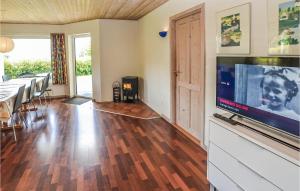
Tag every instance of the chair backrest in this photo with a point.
(6, 78)
(32, 89)
(19, 98)
(45, 83)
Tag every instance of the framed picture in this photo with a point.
(284, 27)
(233, 30)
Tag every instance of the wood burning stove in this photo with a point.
(130, 87)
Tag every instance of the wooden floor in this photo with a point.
(78, 148)
(138, 110)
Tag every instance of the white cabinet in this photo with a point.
(237, 160)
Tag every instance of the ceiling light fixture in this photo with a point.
(6, 44)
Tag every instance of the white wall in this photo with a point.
(155, 51)
(29, 30)
(119, 53)
(34, 30)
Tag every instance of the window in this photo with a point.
(28, 56)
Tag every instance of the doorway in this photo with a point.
(188, 72)
(83, 66)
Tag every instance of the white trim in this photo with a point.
(132, 116)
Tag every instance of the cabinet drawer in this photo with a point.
(238, 172)
(219, 180)
(277, 170)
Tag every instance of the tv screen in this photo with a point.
(265, 89)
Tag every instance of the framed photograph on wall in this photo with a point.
(284, 27)
(233, 30)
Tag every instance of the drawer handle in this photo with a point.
(254, 172)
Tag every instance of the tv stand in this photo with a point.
(226, 119)
(233, 116)
(242, 159)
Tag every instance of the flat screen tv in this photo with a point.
(264, 89)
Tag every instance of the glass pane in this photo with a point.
(83, 66)
(31, 56)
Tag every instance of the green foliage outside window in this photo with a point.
(83, 68)
(26, 66)
(14, 70)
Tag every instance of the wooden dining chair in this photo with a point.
(16, 111)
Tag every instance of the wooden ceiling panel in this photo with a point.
(150, 6)
(70, 11)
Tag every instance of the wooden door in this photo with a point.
(189, 74)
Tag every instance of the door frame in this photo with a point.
(172, 26)
(74, 64)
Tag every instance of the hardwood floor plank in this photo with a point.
(180, 182)
(140, 171)
(168, 175)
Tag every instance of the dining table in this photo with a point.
(9, 90)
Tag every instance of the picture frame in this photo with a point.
(284, 27)
(233, 30)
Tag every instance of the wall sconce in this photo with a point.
(163, 34)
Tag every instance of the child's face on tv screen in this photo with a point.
(274, 92)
